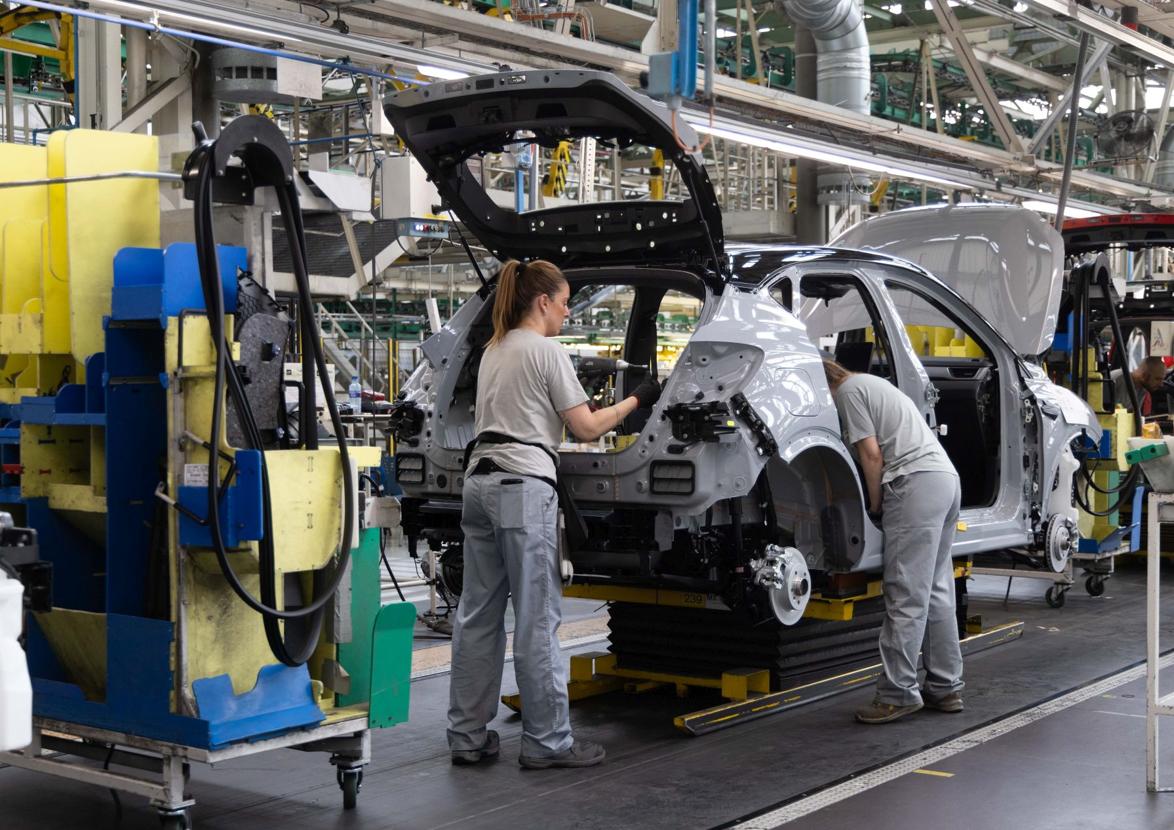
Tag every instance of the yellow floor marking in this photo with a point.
(938, 773)
(436, 657)
(856, 680)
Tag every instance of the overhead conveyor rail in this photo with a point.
(550, 49)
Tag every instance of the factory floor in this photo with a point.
(1053, 736)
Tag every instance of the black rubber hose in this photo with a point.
(1087, 508)
(211, 283)
(1101, 270)
(1127, 482)
(309, 633)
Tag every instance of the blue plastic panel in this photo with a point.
(153, 284)
(241, 511)
(283, 699)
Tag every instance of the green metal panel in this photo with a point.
(391, 664)
(379, 656)
(355, 656)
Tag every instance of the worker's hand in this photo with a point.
(647, 393)
(877, 516)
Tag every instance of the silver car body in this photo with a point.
(782, 472)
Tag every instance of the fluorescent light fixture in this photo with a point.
(724, 32)
(441, 72)
(801, 149)
(1050, 208)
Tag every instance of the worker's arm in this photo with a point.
(588, 425)
(872, 463)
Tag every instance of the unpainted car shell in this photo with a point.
(747, 343)
(747, 351)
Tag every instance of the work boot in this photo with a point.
(950, 703)
(581, 754)
(489, 749)
(880, 712)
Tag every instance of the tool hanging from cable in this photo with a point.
(210, 175)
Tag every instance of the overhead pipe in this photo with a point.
(810, 224)
(843, 72)
(710, 47)
(1073, 119)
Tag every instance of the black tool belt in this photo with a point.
(575, 526)
(487, 465)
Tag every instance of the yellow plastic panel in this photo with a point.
(34, 376)
(78, 639)
(91, 221)
(52, 455)
(19, 161)
(21, 263)
(222, 635)
(306, 491)
(79, 498)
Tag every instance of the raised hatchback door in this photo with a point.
(1004, 260)
(447, 124)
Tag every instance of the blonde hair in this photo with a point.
(836, 374)
(518, 283)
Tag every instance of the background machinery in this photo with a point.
(215, 594)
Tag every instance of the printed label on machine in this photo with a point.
(195, 475)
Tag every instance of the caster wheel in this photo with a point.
(175, 821)
(1055, 596)
(350, 781)
(1095, 585)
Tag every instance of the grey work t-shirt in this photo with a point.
(871, 406)
(524, 382)
(1121, 390)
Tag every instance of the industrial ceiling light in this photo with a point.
(1050, 208)
(837, 156)
(440, 72)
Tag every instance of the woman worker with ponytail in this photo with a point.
(526, 392)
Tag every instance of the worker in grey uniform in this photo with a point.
(1147, 378)
(914, 493)
(526, 392)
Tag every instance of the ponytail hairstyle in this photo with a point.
(518, 283)
(836, 374)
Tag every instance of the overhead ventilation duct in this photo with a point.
(844, 75)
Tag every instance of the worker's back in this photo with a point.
(523, 383)
(871, 406)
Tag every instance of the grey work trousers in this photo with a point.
(920, 517)
(510, 524)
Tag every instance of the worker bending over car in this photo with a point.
(914, 493)
(1147, 379)
(526, 391)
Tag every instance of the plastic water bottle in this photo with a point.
(16, 692)
(355, 391)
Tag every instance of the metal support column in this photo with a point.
(9, 99)
(136, 66)
(1157, 514)
(99, 70)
